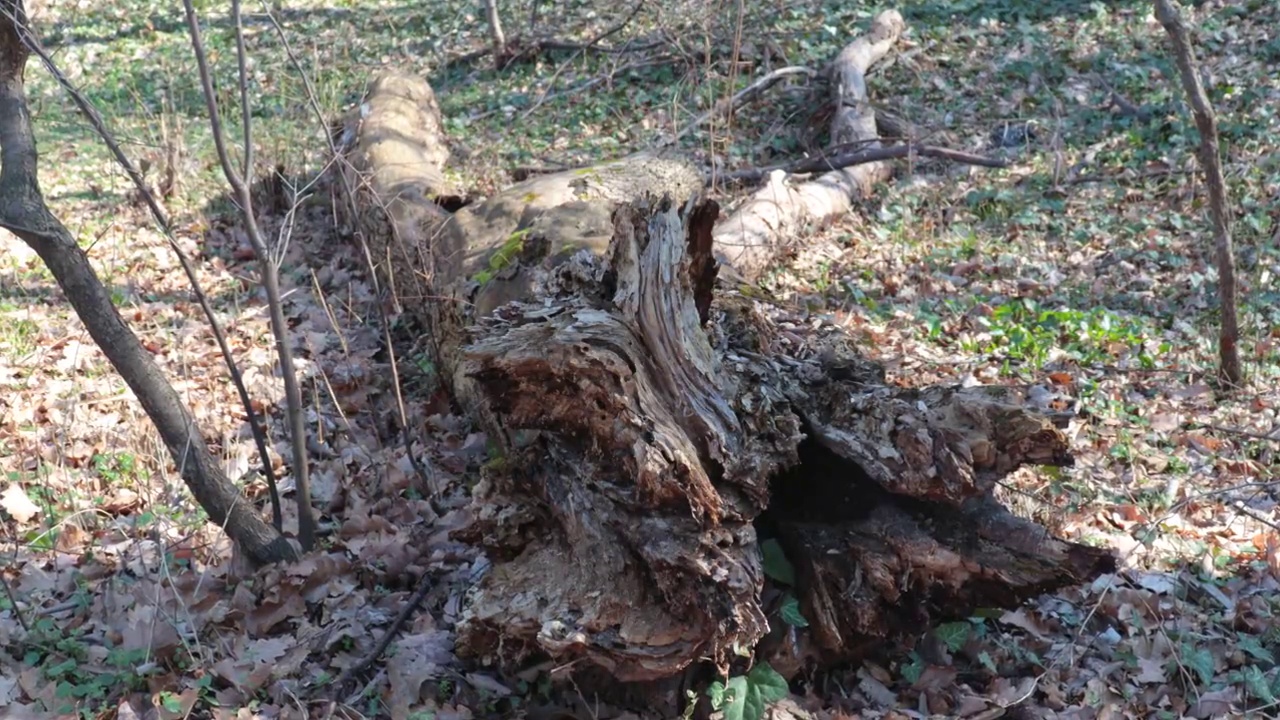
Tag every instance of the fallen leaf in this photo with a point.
(15, 502)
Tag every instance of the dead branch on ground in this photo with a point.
(845, 158)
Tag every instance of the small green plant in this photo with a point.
(745, 697)
(779, 569)
(81, 687)
(20, 336)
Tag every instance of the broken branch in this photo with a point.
(849, 158)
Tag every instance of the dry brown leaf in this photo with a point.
(14, 501)
(935, 677)
(1019, 618)
(1215, 704)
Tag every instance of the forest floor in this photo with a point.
(1084, 268)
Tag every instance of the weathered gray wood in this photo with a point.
(652, 418)
(771, 220)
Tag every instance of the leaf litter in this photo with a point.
(1080, 275)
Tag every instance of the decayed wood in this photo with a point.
(754, 236)
(654, 418)
(636, 464)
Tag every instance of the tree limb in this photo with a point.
(91, 114)
(270, 274)
(23, 212)
(843, 158)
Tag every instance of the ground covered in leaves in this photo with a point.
(1083, 271)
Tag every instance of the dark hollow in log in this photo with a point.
(655, 419)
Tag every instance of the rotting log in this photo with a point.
(656, 422)
(764, 225)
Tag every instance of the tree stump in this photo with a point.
(657, 422)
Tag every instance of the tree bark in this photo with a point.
(656, 422)
(1229, 369)
(24, 213)
(496, 36)
(765, 225)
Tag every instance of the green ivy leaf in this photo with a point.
(1256, 683)
(746, 697)
(791, 614)
(1200, 660)
(776, 565)
(171, 702)
(766, 681)
(985, 659)
(1253, 646)
(912, 671)
(716, 694)
(954, 634)
(735, 705)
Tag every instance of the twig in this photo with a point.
(1127, 107)
(1124, 175)
(99, 126)
(270, 275)
(421, 468)
(848, 158)
(24, 212)
(1240, 508)
(593, 42)
(554, 76)
(550, 44)
(731, 105)
(13, 603)
(420, 594)
(1274, 435)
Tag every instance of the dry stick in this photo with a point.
(420, 594)
(1228, 351)
(554, 76)
(1123, 176)
(24, 212)
(1274, 435)
(419, 467)
(91, 114)
(731, 105)
(270, 275)
(13, 602)
(593, 42)
(848, 158)
(544, 45)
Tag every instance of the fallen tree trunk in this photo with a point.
(656, 423)
(766, 224)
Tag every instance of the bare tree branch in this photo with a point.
(848, 157)
(496, 36)
(422, 469)
(270, 272)
(1229, 336)
(24, 213)
(743, 96)
(91, 114)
